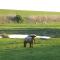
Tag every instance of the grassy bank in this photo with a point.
(12, 49)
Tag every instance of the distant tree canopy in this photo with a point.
(18, 19)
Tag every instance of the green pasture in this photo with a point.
(12, 49)
(26, 12)
(48, 25)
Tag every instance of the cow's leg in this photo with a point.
(31, 44)
(25, 43)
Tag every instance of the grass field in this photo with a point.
(11, 26)
(12, 49)
(27, 13)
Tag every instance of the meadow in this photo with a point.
(12, 26)
(12, 49)
(26, 12)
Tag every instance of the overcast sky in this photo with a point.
(35, 5)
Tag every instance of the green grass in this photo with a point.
(12, 49)
(10, 26)
(27, 13)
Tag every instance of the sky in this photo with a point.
(34, 5)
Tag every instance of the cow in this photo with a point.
(29, 39)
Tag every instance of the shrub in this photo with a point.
(19, 19)
(4, 35)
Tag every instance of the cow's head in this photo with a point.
(33, 35)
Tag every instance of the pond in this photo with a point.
(24, 36)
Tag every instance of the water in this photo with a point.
(24, 36)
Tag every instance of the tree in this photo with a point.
(18, 19)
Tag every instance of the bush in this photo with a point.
(4, 35)
(19, 19)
